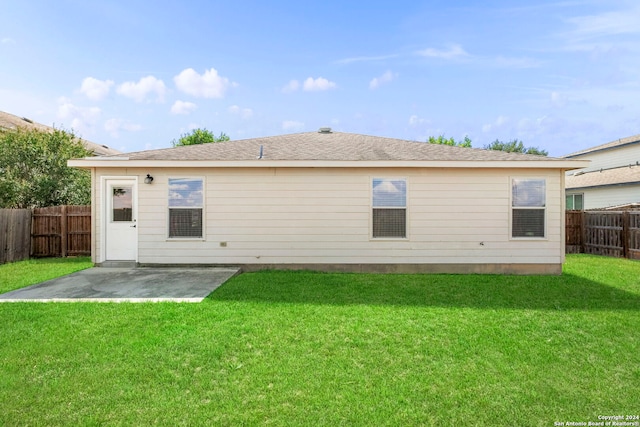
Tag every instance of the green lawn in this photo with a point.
(24, 273)
(300, 348)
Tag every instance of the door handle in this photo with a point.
(133, 226)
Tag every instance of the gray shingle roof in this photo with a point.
(9, 121)
(617, 176)
(609, 145)
(334, 146)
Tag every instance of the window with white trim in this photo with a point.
(528, 207)
(389, 211)
(574, 202)
(186, 205)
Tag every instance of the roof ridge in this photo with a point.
(324, 146)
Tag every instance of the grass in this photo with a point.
(24, 273)
(303, 348)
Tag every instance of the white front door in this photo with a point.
(121, 234)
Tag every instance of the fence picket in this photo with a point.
(15, 228)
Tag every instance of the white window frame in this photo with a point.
(543, 208)
(405, 207)
(202, 208)
(573, 195)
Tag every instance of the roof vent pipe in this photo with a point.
(261, 151)
(324, 130)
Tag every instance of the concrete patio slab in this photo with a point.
(143, 284)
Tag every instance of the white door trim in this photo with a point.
(104, 214)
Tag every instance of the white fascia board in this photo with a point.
(484, 164)
(92, 162)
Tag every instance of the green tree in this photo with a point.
(515, 146)
(34, 171)
(466, 142)
(199, 136)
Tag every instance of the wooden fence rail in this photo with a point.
(15, 227)
(608, 233)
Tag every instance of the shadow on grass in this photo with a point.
(566, 292)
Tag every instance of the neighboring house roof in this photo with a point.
(325, 148)
(9, 121)
(624, 175)
(609, 145)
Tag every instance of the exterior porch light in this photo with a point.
(148, 179)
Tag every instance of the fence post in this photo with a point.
(32, 242)
(580, 232)
(625, 234)
(63, 231)
(583, 231)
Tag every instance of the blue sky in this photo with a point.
(560, 75)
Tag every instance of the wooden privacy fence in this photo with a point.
(615, 234)
(15, 228)
(61, 231)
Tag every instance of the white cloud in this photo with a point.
(139, 91)
(292, 125)
(387, 192)
(183, 107)
(77, 118)
(114, 126)
(309, 85)
(95, 89)
(245, 113)
(292, 86)
(208, 85)
(558, 100)
(454, 51)
(606, 24)
(386, 186)
(387, 77)
(7, 40)
(501, 121)
(414, 120)
(318, 84)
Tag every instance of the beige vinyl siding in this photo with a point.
(604, 197)
(615, 157)
(323, 216)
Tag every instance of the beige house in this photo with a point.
(331, 201)
(611, 180)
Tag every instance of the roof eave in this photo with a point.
(610, 184)
(264, 163)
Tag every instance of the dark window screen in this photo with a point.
(390, 223)
(185, 222)
(528, 223)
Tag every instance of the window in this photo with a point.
(389, 208)
(575, 202)
(122, 204)
(528, 207)
(186, 202)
